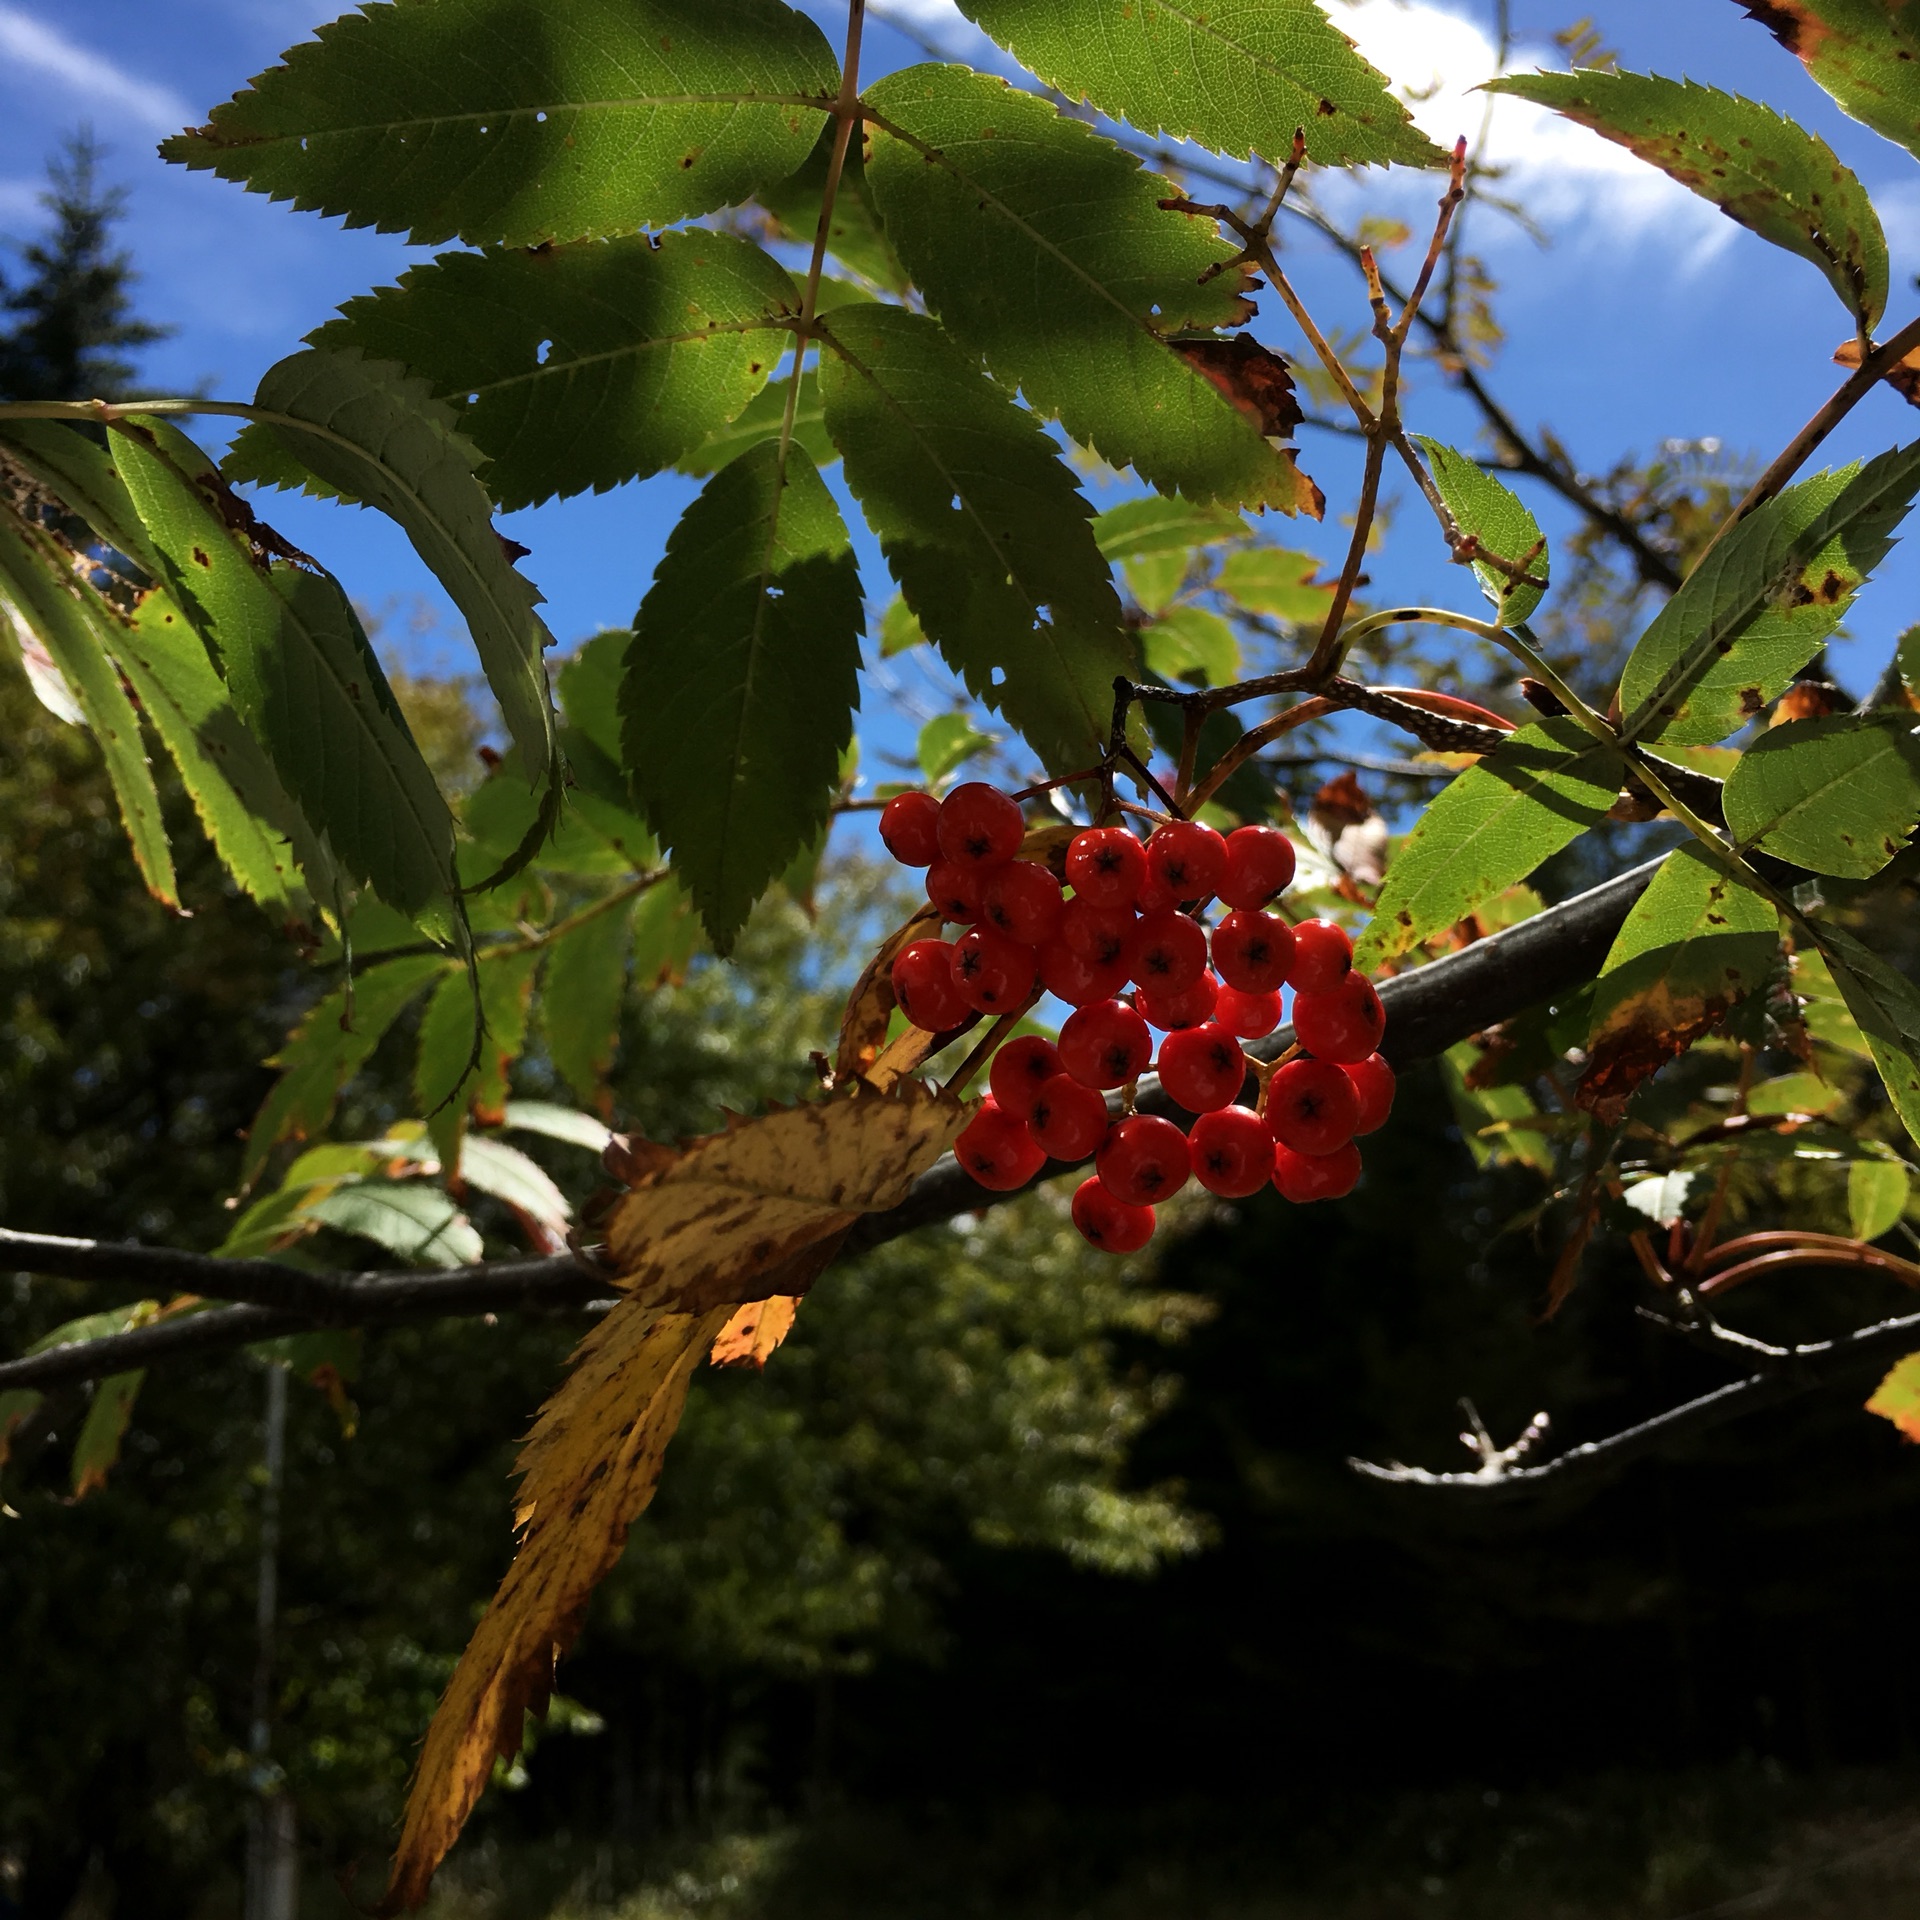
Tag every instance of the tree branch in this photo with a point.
(1799, 1370)
(1428, 1011)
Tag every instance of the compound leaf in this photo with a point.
(581, 367)
(1696, 941)
(1492, 515)
(500, 122)
(1043, 247)
(1838, 795)
(855, 236)
(1761, 604)
(302, 676)
(1237, 79)
(742, 680)
(983, 527)
(1864, 52)
(1488, 829)
(1758, 168)
(373, 433)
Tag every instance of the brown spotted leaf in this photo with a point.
(870, 1006)
(1866, 53)
(754, 1331)
(1903, 377)
(1697, 941)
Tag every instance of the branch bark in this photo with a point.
(1428, 1011)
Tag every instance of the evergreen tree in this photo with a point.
(69, 322)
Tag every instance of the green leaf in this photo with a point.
(1272, 581)
(1760, 606)
(1838, 795)
(982, 525)
(1490, 513)
(447, 1060)
(585, 366)
(502, 124)
(855, 236)
(493, 1167)
(69, 461)
(581, 991)
(1697, 941)
(70, 623)
(760, 420)
(742, 680)
(1043, 247)
(1757, 167)
(1154, 579)
(1897, 1397)
(1136, 528)
(666, 935)
(302, 677)
(900, 628)
(1886, 1007)
(1864, 52)
(378, 438)
(1876, 1196)
(945, 741)
(323, 1052)
(1539, 789)
(1189, 640)
(557, 1123)
(1493, 1121)
(411, 1220)
(1907, 659)
(1239, 80)
(589, 686)
(97, 1450)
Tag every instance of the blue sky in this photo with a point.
(1649, 316)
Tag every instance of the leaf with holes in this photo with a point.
(1043, 248)
(506, 124)
(70, 621)
(1763, 602)
(983, 527)
(1838, 795)
(742, 680)
(1491, 515)
(1866, 53)
(1237, 79)
(1756, 166)
(1696, 942)
(302, 676)
(709, 1227)
(1490, 827)
(373, 434)
(581, 367)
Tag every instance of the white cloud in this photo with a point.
(31, 52)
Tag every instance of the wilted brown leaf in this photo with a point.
(1256, 381)
(863, 1026)
(1904, 379)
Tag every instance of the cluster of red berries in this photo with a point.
(1127, 918)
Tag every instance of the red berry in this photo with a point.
(954, 890)
(923, 985)
(1105, 1044)
(1020, 1069)
(1144, 1160)
(1312, 1176)
(1187, 1008)
(1078, 981)
(1169, 952)
(992, 972)
(980, 827)
(1187, 858)
(1155, 895)
(1254, 951)
(1105, 865)
(910, 828)
(1202, 1067)
(1373, 1081)
(998, 1150)
(1322, 956)
(1232, 1152)
(1103, 934)
(1023, 900)
(1311, 1106)
(1248, 1016)
(1069, 1120)
(1110, 1224)
(1260, 863)
(1344, 1025)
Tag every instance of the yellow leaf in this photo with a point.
(1897, 1397)
(748, 1215)
(754, 1331)
(863, 1026)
